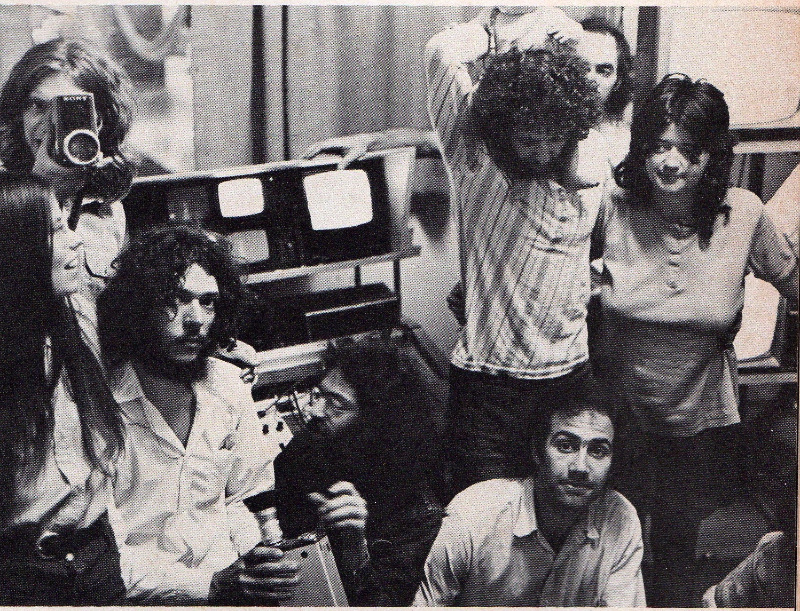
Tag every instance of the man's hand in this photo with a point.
(533, 30)
(351, 147)
(263, 576)
(242, 355)
(343, 512)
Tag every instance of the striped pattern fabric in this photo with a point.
(524, 245)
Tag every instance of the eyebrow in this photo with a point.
(197, 295)
(572, 436)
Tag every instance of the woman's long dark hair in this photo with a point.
(700, 109)
(90, 71)
(32, 313)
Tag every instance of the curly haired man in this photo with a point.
(527, 171)
(193, 448)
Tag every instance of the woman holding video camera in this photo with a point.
(89, 174)
(367, 469)
(59, 424)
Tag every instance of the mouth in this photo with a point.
(190, 343)
(669, 178)
(575, 489)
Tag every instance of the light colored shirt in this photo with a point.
(490, 552)
(101, 226)
(671, 308)
(524, 243)
(178, 514)
(67, 491)
(766, 578)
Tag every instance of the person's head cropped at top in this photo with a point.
(40, 338)
(62, 67)
(681, 150)
(532, 107)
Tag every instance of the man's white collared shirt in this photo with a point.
(178, 514)
(490, 552)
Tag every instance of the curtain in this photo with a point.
(336, 70)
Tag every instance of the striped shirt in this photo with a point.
(524, 244)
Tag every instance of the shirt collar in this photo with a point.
(526, 524)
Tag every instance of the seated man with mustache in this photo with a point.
(193, 444)
(559, 537)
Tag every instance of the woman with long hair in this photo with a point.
(678, 242)
(90, 194)
(59, 424)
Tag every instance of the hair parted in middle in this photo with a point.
(147, 279)
(700, 110)
(534, 89)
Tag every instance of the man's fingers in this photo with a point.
(269, 582)
(352, 154)
(342, 488)
(263, 553)
(317, 498)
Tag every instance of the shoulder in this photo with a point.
(222, 379)
(619, 517)
(485, 499)
(744, 202)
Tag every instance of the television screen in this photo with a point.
(240, 197)
(250, 246)
(338, 199)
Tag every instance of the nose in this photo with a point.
(315, 408)
(580, 465)
(75, 240)
(673, 159)
(541, 153)
(192, 316)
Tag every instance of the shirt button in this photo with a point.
(563, 218)
(672, 284)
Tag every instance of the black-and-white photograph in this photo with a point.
(399, 305)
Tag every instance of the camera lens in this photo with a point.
(82, 148)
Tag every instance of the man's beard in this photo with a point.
(154, 360)
(524, 169)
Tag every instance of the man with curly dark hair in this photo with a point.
(193, 443)
(526, 169)
(368, 468)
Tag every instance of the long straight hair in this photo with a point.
(32, 313)
(91, 71)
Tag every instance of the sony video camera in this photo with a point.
(75, 132)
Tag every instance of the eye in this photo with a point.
(208, 301)
(565, 445)
(691, 152)
(662, 146)
(605, 70)
(184, 297)
(599, 450)
(38, 106)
